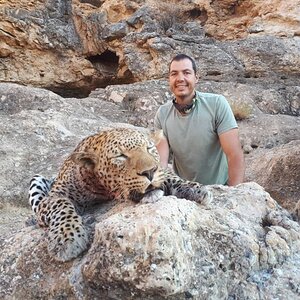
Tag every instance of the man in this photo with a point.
(199, 129)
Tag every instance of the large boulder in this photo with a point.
(277, 170)
(242, 246)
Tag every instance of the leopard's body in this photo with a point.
(119, 164)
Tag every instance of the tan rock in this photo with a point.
(166, 250)
(72, 49)
(234, 19)
(277, 170)
(116, 97)
(117, 10)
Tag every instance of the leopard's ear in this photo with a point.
(156, 135)
(84, 159)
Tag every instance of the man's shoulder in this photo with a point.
(208, 96)
(165, 106)
(211, 99)
(162, 113)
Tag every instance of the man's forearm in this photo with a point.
(163, 151)
(236, 170)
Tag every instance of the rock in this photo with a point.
(267, 56)
(115, 31)
(261, 96)
(141, 100)
(172, 249)
(268, 131)
(270, 15)
(277, 170)
(72, 48)
(147, 249)
(233, 19)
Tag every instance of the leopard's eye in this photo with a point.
(119, 158)
(122, 156)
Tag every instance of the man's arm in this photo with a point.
(163, 151)
(232, 148)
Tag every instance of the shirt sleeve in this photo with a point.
(225, 119)
(157, 122)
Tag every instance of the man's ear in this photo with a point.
(84, 159)
(156, 135)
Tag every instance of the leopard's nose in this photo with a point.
(149, 173)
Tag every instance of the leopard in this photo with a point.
(120, 164)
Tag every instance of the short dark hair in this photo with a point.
(182, 56)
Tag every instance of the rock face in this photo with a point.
(270, 166)
(71, 47)
(242, 246)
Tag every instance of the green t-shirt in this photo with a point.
(193, 138)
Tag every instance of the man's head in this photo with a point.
(183, 78)
(182, 56)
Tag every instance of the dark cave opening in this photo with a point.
(106, 64)
(198, 14)
(96, 3)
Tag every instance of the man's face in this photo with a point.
(182, 80)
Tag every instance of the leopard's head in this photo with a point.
(124, 161)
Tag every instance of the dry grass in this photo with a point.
(169, 14)
(241, 111)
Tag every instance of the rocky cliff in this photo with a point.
(71, 47)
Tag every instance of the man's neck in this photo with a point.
(185, 100)
(184, 107)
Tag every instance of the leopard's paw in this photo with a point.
(66, 243)
(152, 196)
(204, 196)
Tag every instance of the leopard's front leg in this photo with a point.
(194, 191)
(66, 232)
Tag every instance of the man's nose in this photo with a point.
(180, 77)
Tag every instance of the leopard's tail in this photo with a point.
(38, 189)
